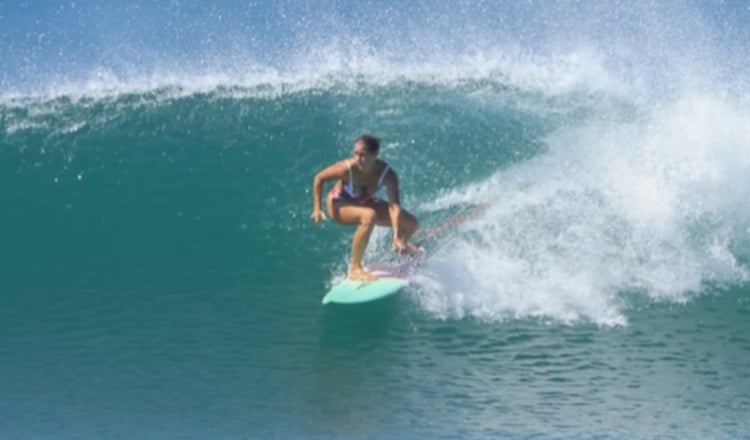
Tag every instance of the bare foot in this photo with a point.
(360, 274)
(414, 249)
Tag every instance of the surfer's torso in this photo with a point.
(361, 189)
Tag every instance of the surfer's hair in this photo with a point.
(371, 142)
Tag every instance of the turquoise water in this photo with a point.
(160, 276)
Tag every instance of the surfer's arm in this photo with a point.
(333, 172)
(394, 204)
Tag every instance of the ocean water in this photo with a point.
(160, 277)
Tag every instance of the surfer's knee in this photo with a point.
(368, 217)
(411, 222)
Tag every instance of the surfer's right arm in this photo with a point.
(333, 172)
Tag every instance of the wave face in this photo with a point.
(158, 196)
(592, 194)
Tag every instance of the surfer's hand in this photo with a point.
(399, 246)
(318, 216)
(406, 248)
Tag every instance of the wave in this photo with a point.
(613, 150)
(657, 205)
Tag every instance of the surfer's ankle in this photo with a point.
(359, 273)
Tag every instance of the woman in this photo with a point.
(354, 201)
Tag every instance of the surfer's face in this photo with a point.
(364, 158)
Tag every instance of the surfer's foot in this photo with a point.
(414, 249)
(360, 274)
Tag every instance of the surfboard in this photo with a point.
(391, 279)
(354, 292)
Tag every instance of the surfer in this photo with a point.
(353, 200)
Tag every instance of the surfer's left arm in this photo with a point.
(394, 205)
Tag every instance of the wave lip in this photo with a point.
(342, 70)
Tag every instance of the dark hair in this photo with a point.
(371, 142)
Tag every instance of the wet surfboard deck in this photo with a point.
(353, 292)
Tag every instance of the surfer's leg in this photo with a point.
(364, 218)
(359, 243)
(408, 223)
